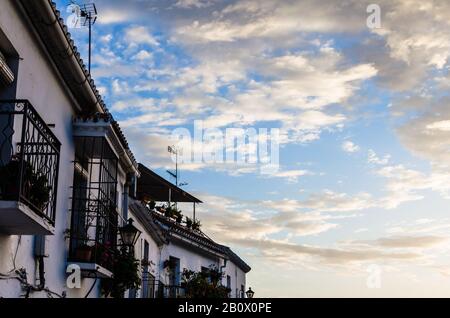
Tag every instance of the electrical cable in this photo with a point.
(92, 287)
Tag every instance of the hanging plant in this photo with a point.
(125, 275)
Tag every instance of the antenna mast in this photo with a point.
(88, 18)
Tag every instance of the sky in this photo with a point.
(360, 203)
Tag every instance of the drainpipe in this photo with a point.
(224, 265)
(125, 202)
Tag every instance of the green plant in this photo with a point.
(204, 284)
(168, 211)
(178, 215)
(196, 225)
(188, 222)
(125, 275)
(34, 185)
(169, 264)
(39, 191)
(171, 211)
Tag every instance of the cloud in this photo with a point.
(326, 201)
(411, 241)
(189, 4)
(140, 35)
(405, 184)
(442, 125)
(374, 159)
(143, 55)
(290, 175)
(255, 230)
(349, 146)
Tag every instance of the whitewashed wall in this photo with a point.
(237, 276)
(38, 82)
(189, 259)
(154, 255)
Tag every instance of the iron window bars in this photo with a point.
(29, 158)
(94, 220)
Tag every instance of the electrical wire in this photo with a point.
(92, 287)
(15, 253)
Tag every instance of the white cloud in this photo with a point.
(349, 146)
(290, 175)
(143, 55)
(374, 159)
(140, 35)
(443, 125)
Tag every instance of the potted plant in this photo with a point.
(9, 183)
(177, 215)
(188, 222)
(196, 225)
(168, 212)
(39, 191)
(125, 275)
(34, 185)
(83, 252)
(103, 254)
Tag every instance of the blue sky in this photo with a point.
(363, 179)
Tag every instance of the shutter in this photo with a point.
(6, 75)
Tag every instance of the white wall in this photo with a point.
(39, 83)
(237, 279)
(189, 259)
(154, 249)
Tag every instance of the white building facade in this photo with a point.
(68, 179)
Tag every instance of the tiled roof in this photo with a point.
(43, 27)
(77, 54)
(239, 262)
(114, 123)
(197, 236)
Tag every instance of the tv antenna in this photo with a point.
(174, 150)
(88, 17)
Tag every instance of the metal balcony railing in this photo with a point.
(94, 216)
(29, 158)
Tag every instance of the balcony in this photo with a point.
(29, 164)
(94, 216)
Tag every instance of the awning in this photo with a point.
(151, 186)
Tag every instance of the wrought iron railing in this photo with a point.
(94, 219)
(29, 158)
(162, 290)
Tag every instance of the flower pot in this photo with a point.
(83, 254)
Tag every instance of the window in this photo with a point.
(148, 280)
(174, 277)
(229, 285)
(94, 211)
